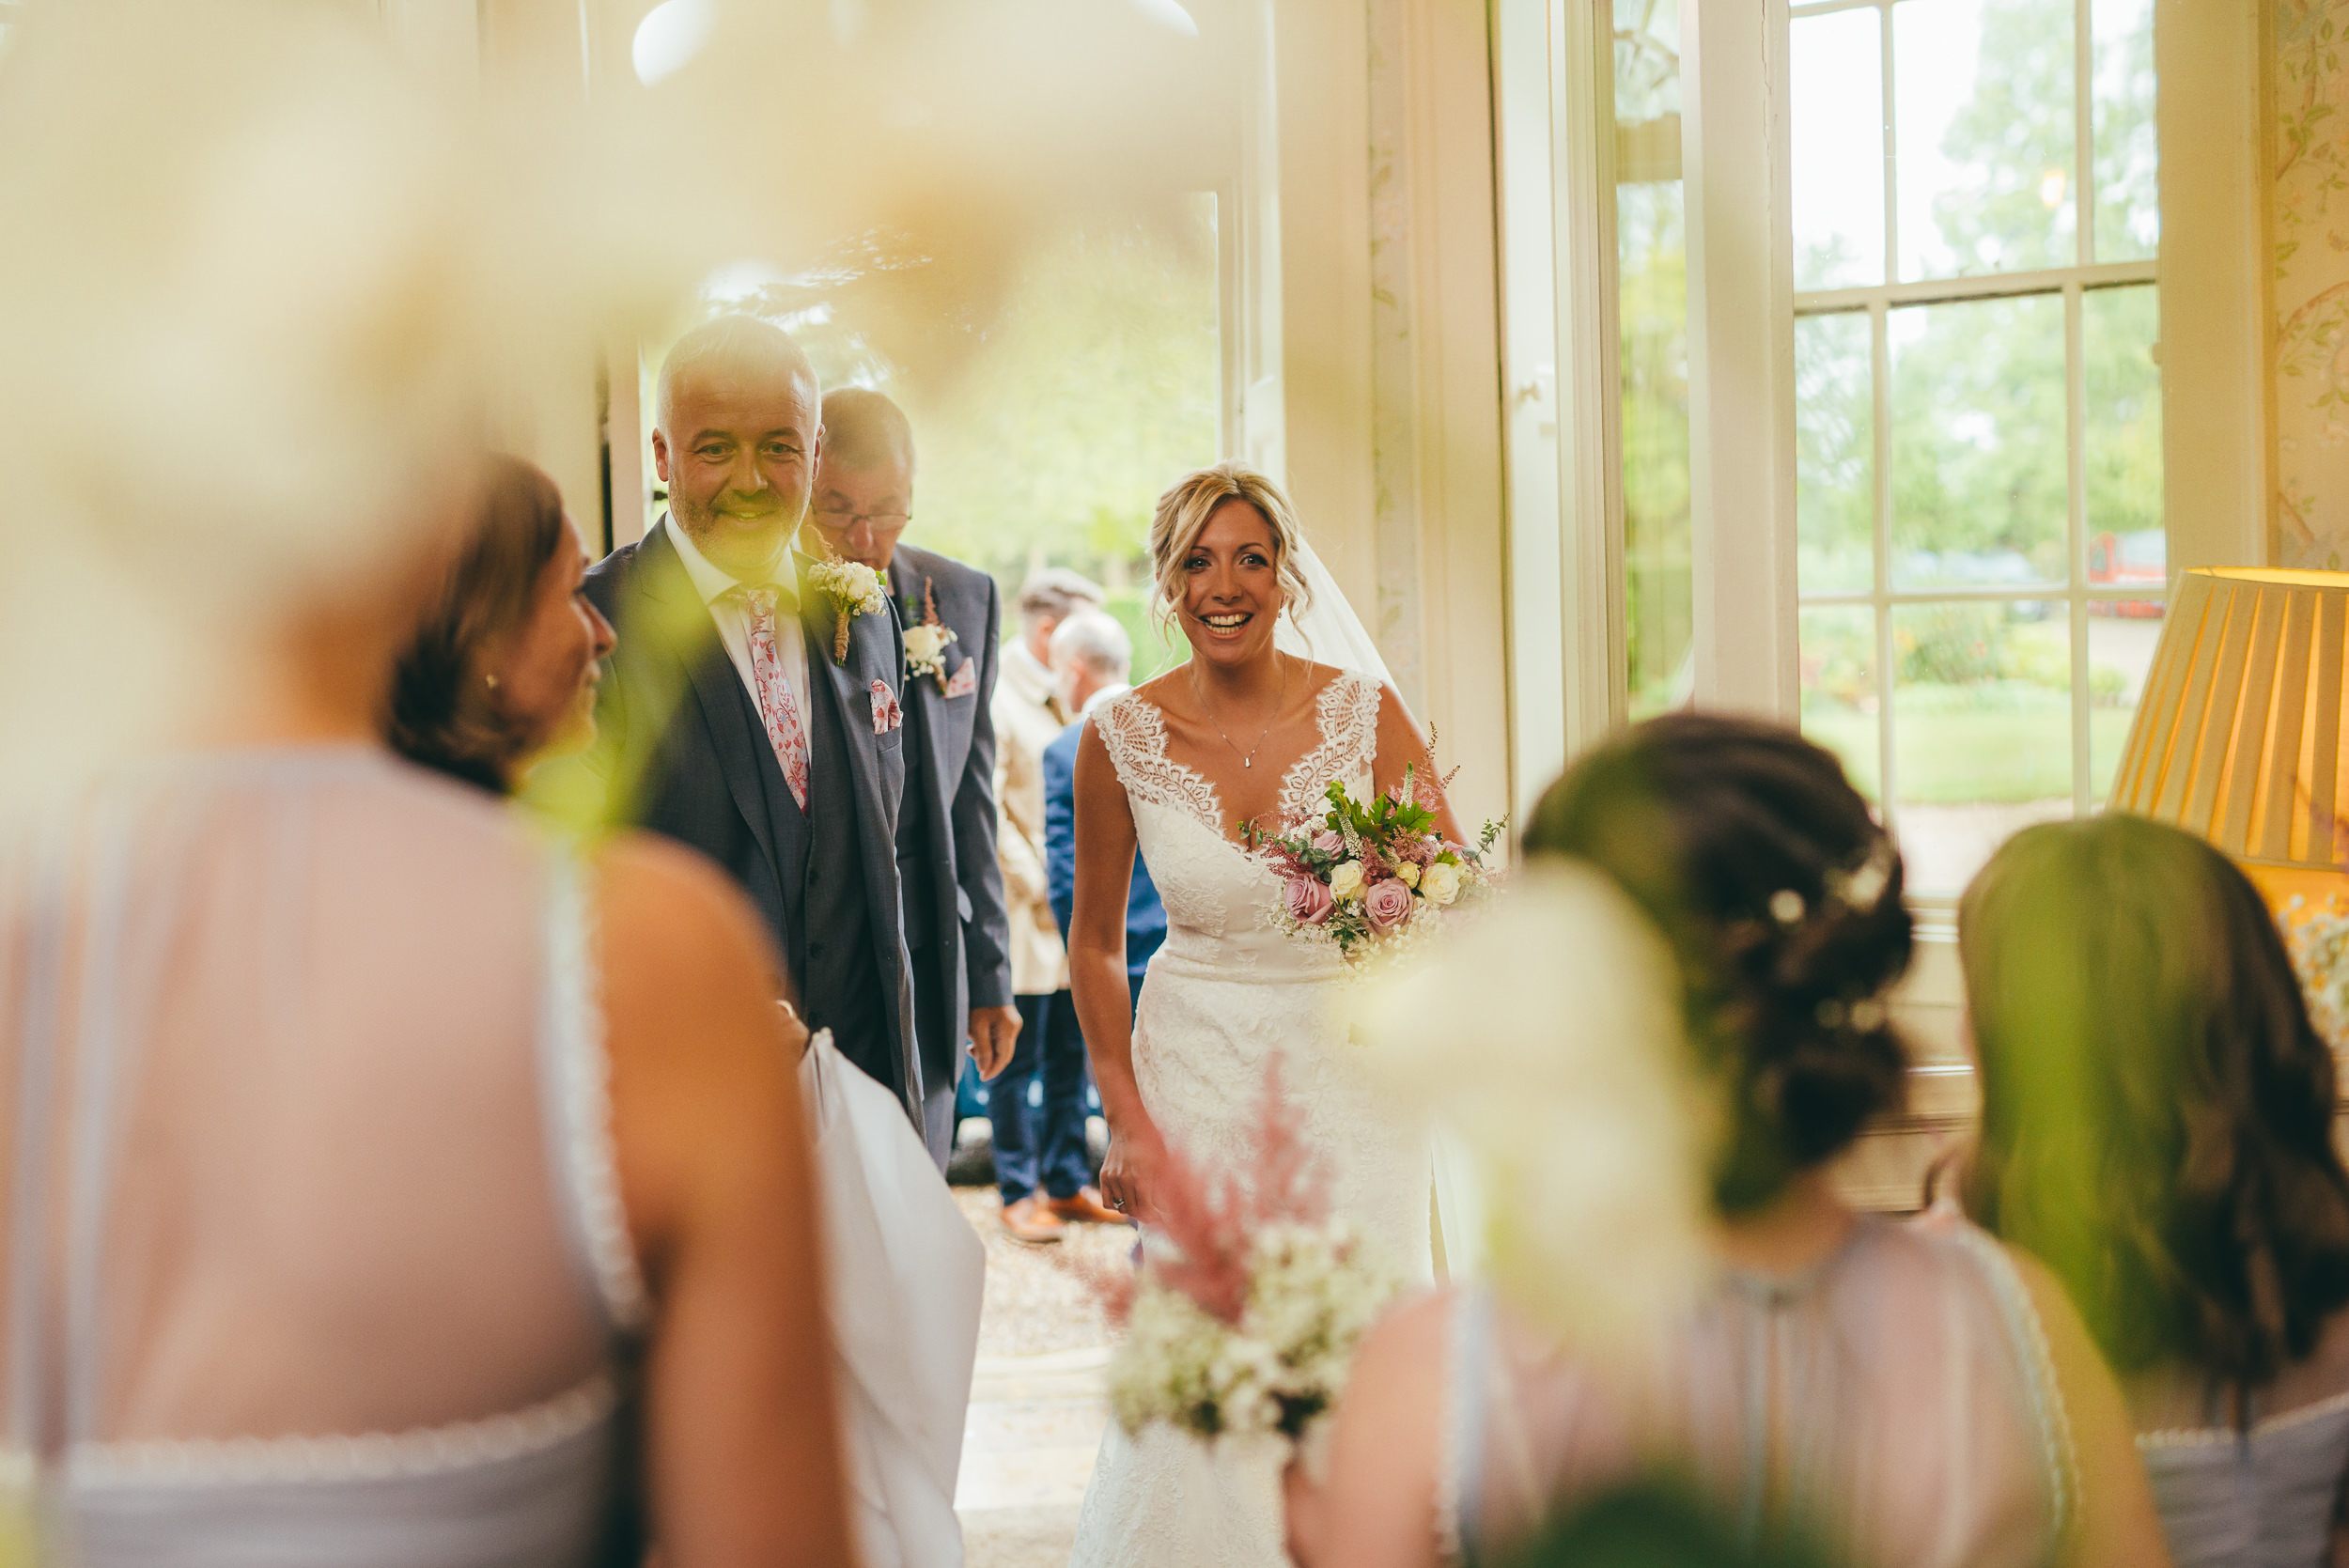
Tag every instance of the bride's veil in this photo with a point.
(1327, 630)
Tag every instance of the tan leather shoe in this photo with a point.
(1086, 1208)
(1030, 1221)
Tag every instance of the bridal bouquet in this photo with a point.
(1245, 1314)
(1375, 880)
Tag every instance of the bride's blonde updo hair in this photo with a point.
(1182, 516)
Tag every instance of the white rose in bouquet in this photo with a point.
(1346, 879)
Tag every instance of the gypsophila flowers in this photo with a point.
(855, 589)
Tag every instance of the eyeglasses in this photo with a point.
(843, 522)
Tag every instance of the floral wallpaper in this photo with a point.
(2309, 219)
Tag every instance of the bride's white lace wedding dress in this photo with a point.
(1225, 996)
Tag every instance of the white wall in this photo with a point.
(1389, 370)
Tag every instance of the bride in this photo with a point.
(1171, 768)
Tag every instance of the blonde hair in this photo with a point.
(1182, 516)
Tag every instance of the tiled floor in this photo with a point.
(1034, 1425)
(1037, 1406)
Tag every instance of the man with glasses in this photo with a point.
(955, 928)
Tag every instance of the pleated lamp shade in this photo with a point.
(2238, 732)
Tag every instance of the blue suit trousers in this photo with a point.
(1044, 1147)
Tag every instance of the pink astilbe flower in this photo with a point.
(1285, 861)
(1113, 1288)
(1207, 1231)
(1292, 1184)
(1208, 1227)
(1420, 852)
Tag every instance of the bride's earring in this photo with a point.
(492, 681)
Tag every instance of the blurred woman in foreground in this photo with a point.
(503, 671)
(1905, 1398)
(2158, 1126)
(356, 1132)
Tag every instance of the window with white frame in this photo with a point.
(1652, 350)
(1981, 555)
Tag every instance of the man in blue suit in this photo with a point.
(1092, 656)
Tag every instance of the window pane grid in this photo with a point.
(2038, 657)
(1979, 286)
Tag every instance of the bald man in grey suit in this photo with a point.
(737, 717)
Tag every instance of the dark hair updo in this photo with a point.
(1781, 897)
(444, 713)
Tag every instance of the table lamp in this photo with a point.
(2238, 731)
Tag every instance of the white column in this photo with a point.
(624, 431)
(1735, 148)
(1587, 323)
(1322, 82)
(1530, 357)
(1253, 353)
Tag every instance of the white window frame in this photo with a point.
(1876, 301)
(1566, 596)
(1565, 542)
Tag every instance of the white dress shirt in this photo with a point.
(733, 628)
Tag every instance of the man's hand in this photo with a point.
(993, 1032)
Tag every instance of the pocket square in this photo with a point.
(887, 715)
(965, 679)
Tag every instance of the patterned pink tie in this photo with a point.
(776, 705)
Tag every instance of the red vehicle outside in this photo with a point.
(2129, 560)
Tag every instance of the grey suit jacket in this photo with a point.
(680, 750)
(971, 954)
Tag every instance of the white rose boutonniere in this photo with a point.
(854, 589)
(926, 646)
(927, 637)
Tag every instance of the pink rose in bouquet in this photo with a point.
(1307, 899)
(1388, 903)
(1355, 879)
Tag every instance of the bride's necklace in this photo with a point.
(1247, 758)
